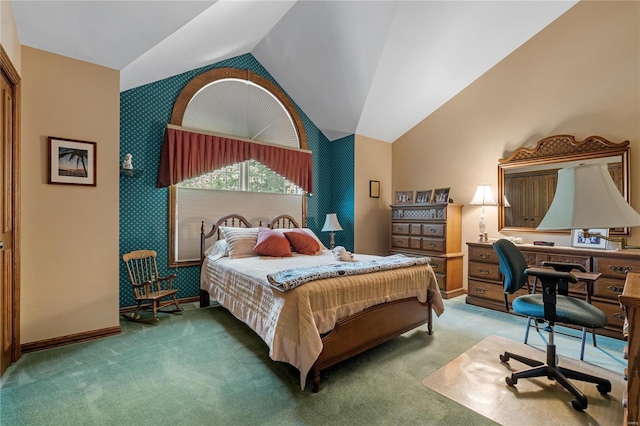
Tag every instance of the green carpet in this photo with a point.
(205, 367)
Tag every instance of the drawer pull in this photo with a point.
(479, 290)
(435, 265)
(619, 316)
(621, 269)
(400, 228)
(484, 256)
(432, 230)
(483, 271)
(432, 244)
(615, 289)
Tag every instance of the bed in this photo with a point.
(325, 321)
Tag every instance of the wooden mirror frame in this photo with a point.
(556, 152)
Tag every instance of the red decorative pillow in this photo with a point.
(302, 242)
(272, 243)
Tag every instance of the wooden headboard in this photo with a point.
(283, 221)
(232, 220)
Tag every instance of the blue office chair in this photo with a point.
(551, 305)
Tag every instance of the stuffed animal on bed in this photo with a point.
(341, 254)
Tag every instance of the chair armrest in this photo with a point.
(549, 274)
(168, 277)
(564, 267)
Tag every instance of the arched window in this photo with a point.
(239, 105)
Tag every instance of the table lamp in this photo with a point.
(586, 197)
(331, 224)
(483, 197)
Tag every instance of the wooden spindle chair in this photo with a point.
(150, 291)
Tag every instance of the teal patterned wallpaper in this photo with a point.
(144, 113)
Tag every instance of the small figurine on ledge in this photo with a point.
(126, 163)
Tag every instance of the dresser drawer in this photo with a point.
(486, 290)
(400, 228)
(609, 288)
(433, 230)
(433, 244)
(397, 241)
(615, 315)
(487, 271)
(415, 229)
(439, 265)
(414, 243)
(615, 268)
(582, 260)
(442, 281)
(483, 254)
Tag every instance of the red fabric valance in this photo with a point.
(187, 154)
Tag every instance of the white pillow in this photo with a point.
(240, 241)
(308, 231)
(218, 250)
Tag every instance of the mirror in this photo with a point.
(527, 178)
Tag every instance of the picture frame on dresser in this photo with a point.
(441, 195)
(403, 197)
(595, 242)
(424, 197)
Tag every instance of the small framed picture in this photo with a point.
(423, 196)
(374, 189)
(441, 195)
(72, 162)
(595, 242)
(404, 197)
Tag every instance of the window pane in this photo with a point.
(225, 178)
(263, 179)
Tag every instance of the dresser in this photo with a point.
(433, 230)
(485, 281)
(630, 301)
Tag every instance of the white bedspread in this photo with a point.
(291, 323)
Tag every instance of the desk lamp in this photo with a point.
(483, 197)
(331, 224)
(586, 197)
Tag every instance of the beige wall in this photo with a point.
(69, 233)
(372, 215)
(579, 76)
(9, 34)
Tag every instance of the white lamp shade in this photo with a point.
(483, 197)
(331, 223)
(586, 197)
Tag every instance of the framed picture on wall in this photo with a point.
(403, 197)
(374, 189)
(423, 197)
(72, 162)
(441, 195)
(595, 242)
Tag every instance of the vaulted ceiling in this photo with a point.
(375, 68)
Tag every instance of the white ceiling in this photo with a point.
(375, 68)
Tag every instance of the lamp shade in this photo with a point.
(483, 197)
(586, 197)
(331, 223)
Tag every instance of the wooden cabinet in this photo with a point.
(433, 230)
(630, 301)
(485, 281)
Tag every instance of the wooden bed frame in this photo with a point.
(353, 334)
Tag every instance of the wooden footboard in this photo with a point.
(369, 328)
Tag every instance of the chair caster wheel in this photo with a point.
(578, 406)
(604, 389)
(510, 381)
(504, 358)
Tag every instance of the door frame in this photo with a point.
(9, 71)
